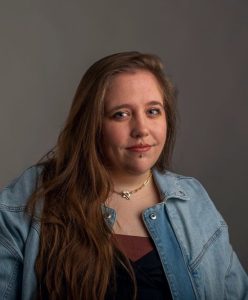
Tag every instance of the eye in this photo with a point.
(154, 112)
(120, 115)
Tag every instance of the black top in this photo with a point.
(150, 277)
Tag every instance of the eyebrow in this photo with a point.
(126, 105)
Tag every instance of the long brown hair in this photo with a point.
(77, 255)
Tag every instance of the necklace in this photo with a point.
(126, 194)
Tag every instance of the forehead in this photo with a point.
(138, 84)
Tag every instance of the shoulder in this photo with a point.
(192, 212)
(15, 223)
(179, 186)
(189, 195)
(19, 236)
(17, 192)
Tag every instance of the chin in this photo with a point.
(140, 168)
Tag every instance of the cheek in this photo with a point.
(113, 135)
(164, 131)
(162, 138)
(161, 132)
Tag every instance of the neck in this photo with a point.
(128, 181)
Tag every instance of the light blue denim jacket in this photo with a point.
(190, 235)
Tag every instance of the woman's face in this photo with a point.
(134, 124)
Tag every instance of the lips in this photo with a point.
(139, 148)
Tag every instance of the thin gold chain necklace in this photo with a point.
(126, 194)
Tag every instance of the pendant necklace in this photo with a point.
(126, 194)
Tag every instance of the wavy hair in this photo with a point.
(77, 253)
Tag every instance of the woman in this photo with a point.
(101, 217)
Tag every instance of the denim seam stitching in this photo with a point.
(9, 247)
(229, 266)
(4, 207)
(228, 271)
(35, 226)
(8, 288)
(211, 240)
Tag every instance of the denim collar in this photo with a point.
(169, 185)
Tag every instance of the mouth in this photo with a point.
(139, 148)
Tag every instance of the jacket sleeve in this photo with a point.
(15, 229)
(11, 257)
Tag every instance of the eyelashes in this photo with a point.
(120, 115)
(154, 111)
(123, 115)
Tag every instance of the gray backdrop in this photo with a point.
(47, 45)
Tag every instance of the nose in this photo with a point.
(139, 127)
